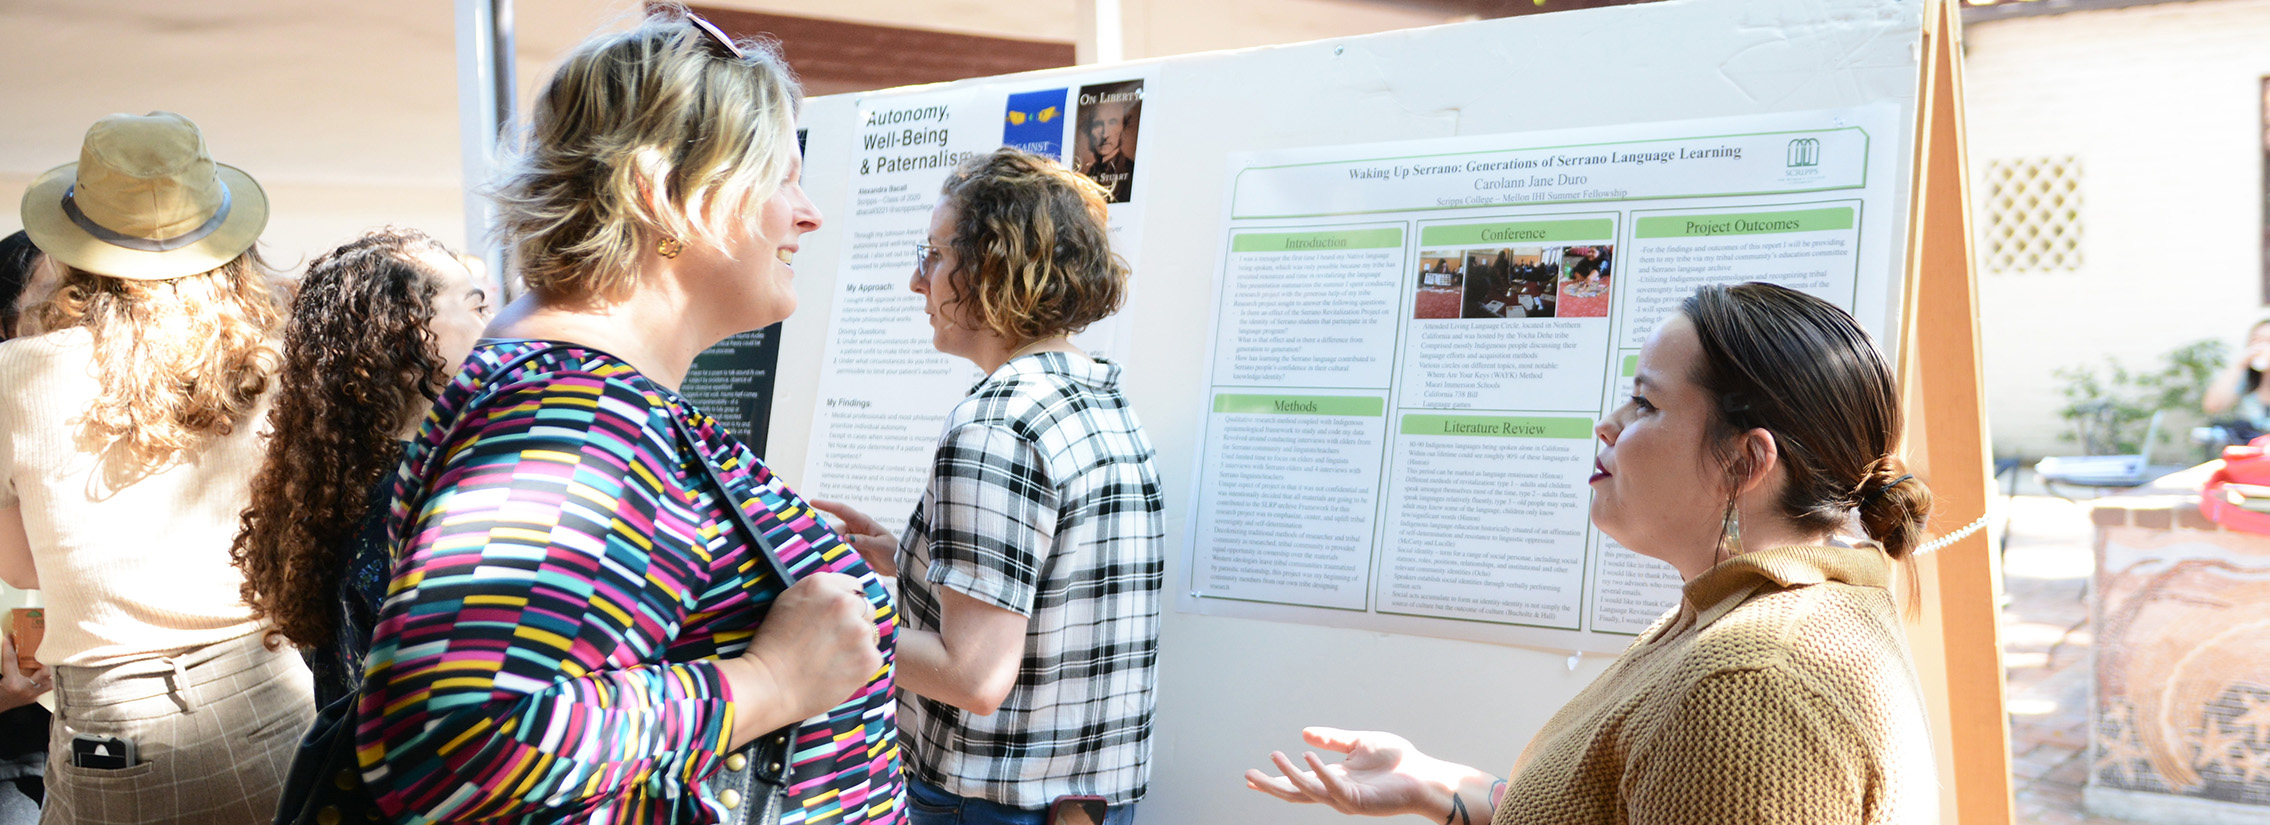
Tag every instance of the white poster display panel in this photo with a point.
(1240, 676)
(1413, 341)
(884, 391)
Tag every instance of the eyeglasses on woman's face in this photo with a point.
(926, 257)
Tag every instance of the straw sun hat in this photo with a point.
(145, 202)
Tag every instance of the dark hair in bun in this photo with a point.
(1799, 367)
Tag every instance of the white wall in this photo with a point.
(1014, 19)
(2162, 105)
(347, 112)
(1154, 28)
(1160, 28)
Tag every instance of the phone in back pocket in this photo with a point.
(102, 753)
(1077, 810)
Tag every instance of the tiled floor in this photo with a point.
(2045, 638)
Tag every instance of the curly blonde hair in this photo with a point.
(1033, 241)
(658, 109)
(181, 361)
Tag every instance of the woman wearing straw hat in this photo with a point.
(127, 440)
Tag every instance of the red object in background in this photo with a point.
(1575, 306)
(2245, 466)
(1436, 302)
(27, 625)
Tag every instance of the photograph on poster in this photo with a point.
(1584, 286)
(1511, 282)
(1439, 286)
(1034, 122)
(1111, 115)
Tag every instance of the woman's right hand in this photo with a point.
(2257, 353)
(1382, 776)
(17, 689)
(875, 543)
(817, 646)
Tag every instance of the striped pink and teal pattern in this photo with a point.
(562, 582)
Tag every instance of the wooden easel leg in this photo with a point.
(1958, 636)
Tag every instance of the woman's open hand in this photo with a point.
(875, 543)
(1383, 775)
(1375, 779)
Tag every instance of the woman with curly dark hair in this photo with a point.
(24, 282)
(377, 329)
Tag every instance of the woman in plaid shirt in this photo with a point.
(1030, 573)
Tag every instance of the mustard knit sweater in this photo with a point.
(1779, 691)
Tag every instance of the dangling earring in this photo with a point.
(1730, 533)
(668, 247)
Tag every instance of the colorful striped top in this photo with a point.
(563, 579)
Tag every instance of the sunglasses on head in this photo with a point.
(716, 38)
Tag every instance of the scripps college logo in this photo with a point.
(1804, 152)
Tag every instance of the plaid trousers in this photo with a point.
(215, 729)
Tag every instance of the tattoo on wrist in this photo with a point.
(1458, 815)
(1497, 794)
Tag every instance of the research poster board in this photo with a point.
(1413, 340)
(884, 390)
(860, 394)
(733, 382)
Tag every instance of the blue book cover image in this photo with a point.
(1035, 122)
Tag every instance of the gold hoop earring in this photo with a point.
(669, 247)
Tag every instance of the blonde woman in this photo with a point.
(578, 629)
(128, 437)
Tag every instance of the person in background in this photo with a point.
(24, 282)
(128, 438)
(1031, 569)
(1485, 282)
(562, 564)
(377, 328)
(2238, 400)
(1763, 423)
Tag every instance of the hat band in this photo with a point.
(115, 238)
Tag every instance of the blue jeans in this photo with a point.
(928, 804)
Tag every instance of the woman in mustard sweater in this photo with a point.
(1763, 424)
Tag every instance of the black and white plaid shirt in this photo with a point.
(1043, 501)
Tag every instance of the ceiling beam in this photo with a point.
(834, 56)
(1503, 8)
(1975, 11)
